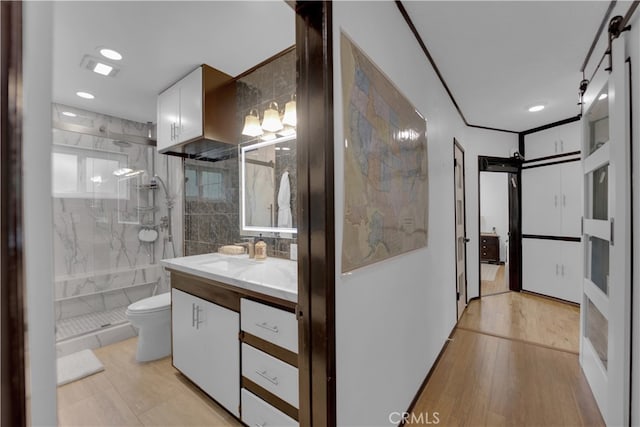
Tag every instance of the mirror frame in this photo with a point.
(250, 228)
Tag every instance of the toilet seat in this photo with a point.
(151, 305)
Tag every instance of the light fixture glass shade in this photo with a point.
(290, 117)
(252, 124)
(271, 120)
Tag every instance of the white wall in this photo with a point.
(393, 317)
(38, 243)
(494, 206)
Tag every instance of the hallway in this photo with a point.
(512, 360)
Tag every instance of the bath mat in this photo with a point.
(488, 272)
(78, 365)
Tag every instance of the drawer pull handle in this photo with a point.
(265, 325)
(260, 425)
(263, 374)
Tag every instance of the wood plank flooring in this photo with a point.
(496, 286)
(128, 393)
(516, 379)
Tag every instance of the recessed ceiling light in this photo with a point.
(85, 95)
(536, 108)
(69, 114)
(603, 96)
(103, 69)
(111, 54)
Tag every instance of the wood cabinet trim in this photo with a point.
(230, 295)
(270, 398)
(270, 348)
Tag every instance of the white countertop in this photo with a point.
(273, 276)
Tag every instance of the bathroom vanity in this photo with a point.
(235, 333)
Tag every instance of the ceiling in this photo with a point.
(501, 57)
(160, 42)
(498, 58)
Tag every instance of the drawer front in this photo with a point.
(269, 323)
(270, 373)
(257, 412)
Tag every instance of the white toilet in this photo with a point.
(152, 317)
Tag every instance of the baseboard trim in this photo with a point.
(433, 368)
(564, 301)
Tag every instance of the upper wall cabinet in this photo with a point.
(550, 142)
(197, 113)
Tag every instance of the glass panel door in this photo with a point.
(605, 320)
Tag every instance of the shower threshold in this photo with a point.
(84, 324)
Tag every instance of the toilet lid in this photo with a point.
(155, 303)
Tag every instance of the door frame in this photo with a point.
(12, 314)
(456, 144)
(513, 167)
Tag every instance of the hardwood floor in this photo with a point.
(128, 393)
(496, 286)
(517, 378)
(525, 317)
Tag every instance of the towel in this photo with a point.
(284, 202)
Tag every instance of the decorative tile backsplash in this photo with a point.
(212, 189)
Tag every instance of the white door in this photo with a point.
(571, 199)
(461, 238)
(206, 347)
(168, 117)
(605, 312)
(542, 201)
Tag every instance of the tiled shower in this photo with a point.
(106, 209)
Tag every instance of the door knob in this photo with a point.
(467, 240)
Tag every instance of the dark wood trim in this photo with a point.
(549, 297)
(631, 230)
(512, 167)
(559, 162)
(270, 348)
(552, 125)
(426, 52)
(316, 229)
(12, 339)
(415, 399)
(271, 398)
(555, 156)
(268, 60)
(558, 238)
(521, 147)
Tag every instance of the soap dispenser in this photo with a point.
(260, 249)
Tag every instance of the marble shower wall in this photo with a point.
(100, 263)
(212, 217)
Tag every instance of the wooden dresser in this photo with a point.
(489, 247)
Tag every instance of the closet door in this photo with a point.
(542, 201)
(540, 266)
(571, 212)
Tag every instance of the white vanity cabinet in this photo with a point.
(269, 364)
(206, 347)
(199, 107)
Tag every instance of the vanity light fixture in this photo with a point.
(269, 136)
(111, 54)
(602, 96)
(252, 124)
(271, 120)
(85, 95)
(69, 114)
(290, 117)
(536, 108)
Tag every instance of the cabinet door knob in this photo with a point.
(193, 315)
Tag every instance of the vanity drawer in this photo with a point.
(269, 323)
(257, 412)
(270, 373)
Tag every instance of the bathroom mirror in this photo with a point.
(268, 187)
